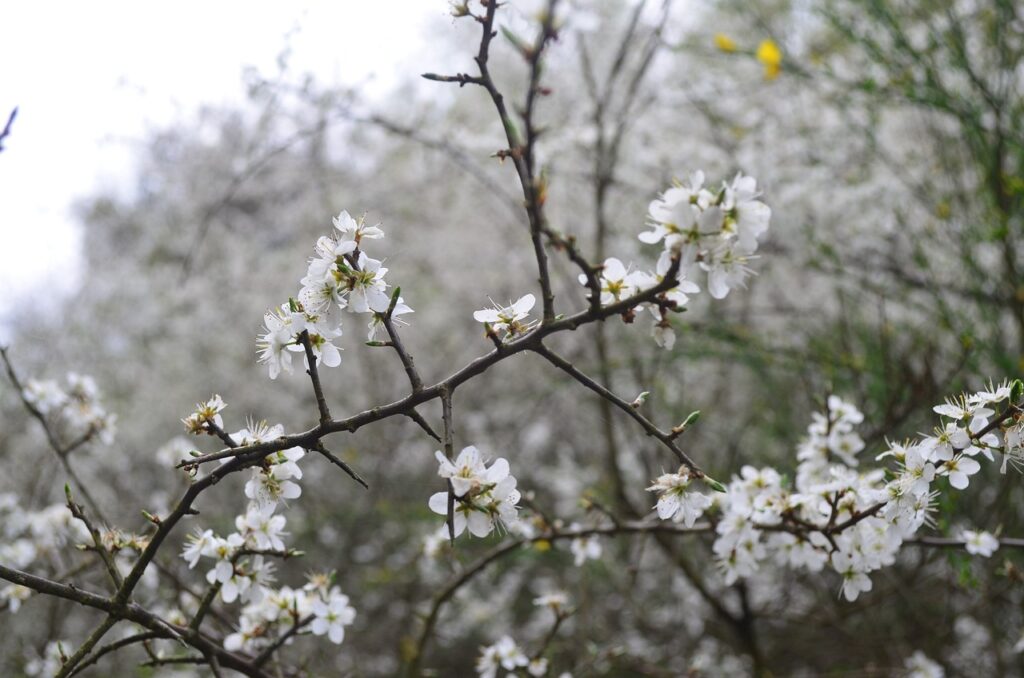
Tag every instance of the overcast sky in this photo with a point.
(90, 78)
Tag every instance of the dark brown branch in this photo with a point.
(133, 613)
(519, 150)
(449, 452)
(505, 549)
(223, 435)
(314, 376)
(396, 343)
(253, 453)
(423, 424)
(331, 457)
(667, 439)
(108, 562)
(269, 651)
(114, 647)
(94, 638)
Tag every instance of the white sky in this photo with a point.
(90, 78)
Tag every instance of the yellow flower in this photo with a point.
(724, 42)
(769, 54)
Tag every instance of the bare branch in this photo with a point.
(509, 547)
(666, 438)
(396, 343)
(327, 454)
(61, 451)
(314, 376)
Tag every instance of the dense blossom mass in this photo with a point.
(839, 514)
(341, 276)
(75, 407)
(485, 498)
(714, 232)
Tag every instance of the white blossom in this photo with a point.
(675, 501)
(508, 319)
(330, 617)
(979, 543)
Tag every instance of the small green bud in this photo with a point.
(1016, 390)
(714, 484)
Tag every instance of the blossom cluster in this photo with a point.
(75, 407)
(341, 276)
(839, 515)
(714, 231)
(485, 497)
(508, 655)
(710, 231)
(323, 606)
(28, 537)
(241, 566)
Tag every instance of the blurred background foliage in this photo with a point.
(890, 146)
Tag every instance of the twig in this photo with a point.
(327, 454)
(502, 550)
(133, 613)
(423, 424)
(314, 376)
(113, 647)
(97, 539)
(268, 652)
(667, 439)
(520, 150)
(946, 542)
(449, 452)
(396, 343)
(61, 451)
(86, 647)
(205, 605)
(224, 436)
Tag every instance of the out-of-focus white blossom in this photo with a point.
(504, 654)
(979, 543)
(918, 665)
